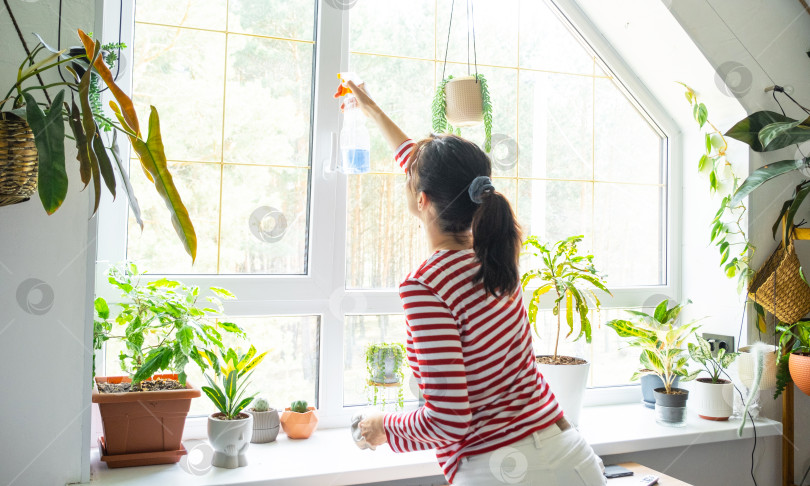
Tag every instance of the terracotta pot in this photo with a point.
(299, 425)
(799, 366)
(229, 439)
(143, 422)
(713, 401)
(265, 425)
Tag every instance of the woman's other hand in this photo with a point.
(372, 429)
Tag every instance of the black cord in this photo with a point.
(475, 53)
(447, 46)
(468, 37)
(801, 483)
(753, 478)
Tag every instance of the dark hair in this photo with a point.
(443, 167)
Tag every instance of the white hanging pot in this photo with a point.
(746, 364)
(464, 102)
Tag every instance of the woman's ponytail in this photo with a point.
(496, 241)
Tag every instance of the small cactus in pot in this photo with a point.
(299, 421)
(265, 421)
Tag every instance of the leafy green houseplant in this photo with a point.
(440, 108)
(714, 395)
(385, 363)
(661, 338)
(794, 356)
(162, 324)
(230, 431)
(575, 281)
(60, 119)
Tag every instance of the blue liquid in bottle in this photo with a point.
(356, 161)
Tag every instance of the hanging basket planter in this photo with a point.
(779, 288)
(18, 160)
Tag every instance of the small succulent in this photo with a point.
(261, 405)
(299, 406)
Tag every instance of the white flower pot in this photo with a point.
(388, 372)
(464, 102)
(568, 383)
(713, 401)
(265, 425)
(746, 363)
(230, 439)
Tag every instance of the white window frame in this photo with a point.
(323, 293)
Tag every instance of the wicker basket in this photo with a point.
(18, 160)
(778, 286)
(464, 103)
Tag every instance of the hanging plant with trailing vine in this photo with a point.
(376, 356)
(439, 108)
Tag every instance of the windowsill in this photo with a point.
(330, 456)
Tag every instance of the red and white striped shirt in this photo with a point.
(472, 356)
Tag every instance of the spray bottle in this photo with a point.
(354, 140)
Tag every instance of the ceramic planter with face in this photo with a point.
(299, 425)
(230, 439)
(567, 382)
(713, 401)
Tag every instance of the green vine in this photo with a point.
(727, 232)
(376, 355)
(439, 108)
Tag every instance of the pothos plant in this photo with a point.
(376, 356)
(162, 324)
(439, 109)
(98, 157)
(661, 337)
(727, 230)
(573, 278)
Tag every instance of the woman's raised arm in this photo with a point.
(392, 133)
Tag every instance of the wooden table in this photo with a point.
(641, 471)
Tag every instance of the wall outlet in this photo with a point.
(718, 341)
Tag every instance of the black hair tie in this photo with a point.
(478, 187)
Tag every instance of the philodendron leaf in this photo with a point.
(104, 163)
(75, 121)
(133, 201)
(801, 195)
(781, 134)
(747, 130)
(153, 159)
(90, 129)
(49, 137)
(763, 175)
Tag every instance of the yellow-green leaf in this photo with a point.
(49, 137)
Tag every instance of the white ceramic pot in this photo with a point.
(387, 371)
(464, 103)
(713, 401)
(230, 439)
(568, 383)
(746, 362)
(265, 425)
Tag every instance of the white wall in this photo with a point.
(44, 345)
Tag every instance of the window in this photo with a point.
(244, 92)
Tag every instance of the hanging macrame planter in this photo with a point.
(18, 160)
(463, 101)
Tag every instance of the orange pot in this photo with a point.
(299, 425)
(799, 366)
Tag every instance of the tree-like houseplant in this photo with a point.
(299, 421)
(265, 421)
(662, 337)
(463, 102)
(230, 430)
(41, 166)
(713, 396)
(385, 363)
(575, 282)
(162, 327)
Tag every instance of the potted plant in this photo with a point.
(298, 420)
(265, 421)
(230, 430)
(35, 133)
(661, 338)
(575, 281)
(163, 328)
(385, 363)
(794, 344)
(714, 396)
(463, 102)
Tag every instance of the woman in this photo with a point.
(488, 411)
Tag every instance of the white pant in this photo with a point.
(550, 457)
